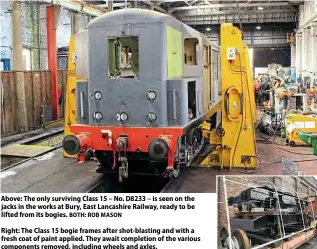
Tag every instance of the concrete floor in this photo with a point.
(269, 153)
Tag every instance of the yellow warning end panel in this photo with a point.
(77, 71)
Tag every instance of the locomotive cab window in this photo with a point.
(206, 57)
(190, 48)
(123, 57)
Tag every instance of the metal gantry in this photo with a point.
(204, 12)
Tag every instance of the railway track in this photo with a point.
(17, 161)
(174, 185)
(95, 188)
(133, 184)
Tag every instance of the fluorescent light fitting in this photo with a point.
(208, 29)
(258, 27)
(260, 8)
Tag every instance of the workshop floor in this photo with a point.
(275, 152)
(50, 173)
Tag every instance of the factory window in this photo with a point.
(190, 48)
(26, 57)
(123, 57)
(62, 62)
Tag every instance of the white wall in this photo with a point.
(306, 42)
(307, 11)
(259, 70)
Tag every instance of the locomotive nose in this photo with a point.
(158, 149)
(72, 144)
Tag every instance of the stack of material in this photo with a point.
(276, 70)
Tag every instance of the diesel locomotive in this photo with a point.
(147, 71)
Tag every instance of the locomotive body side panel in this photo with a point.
(177, 101)
(82, 103)
(200, 110)
(200, 48)
(207, 74)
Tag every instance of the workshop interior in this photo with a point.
(125, 96)
(207, 96)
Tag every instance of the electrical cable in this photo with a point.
(267, 141)
(297, 161)
(253, 171)
(296, 153)
(250, 171)
(240, 130)
(243, 120)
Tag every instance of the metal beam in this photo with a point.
(57, 15)
(110, 5)
(236, 18)
(52, 58)
(77, 6)
(155, 6)
(192, 2)
(308, 23)
(74, 22)
(114, 5)
(273, 45)
(231, 5)
(18, 65)
(234, 11)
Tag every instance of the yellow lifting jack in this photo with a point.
(234, 140)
